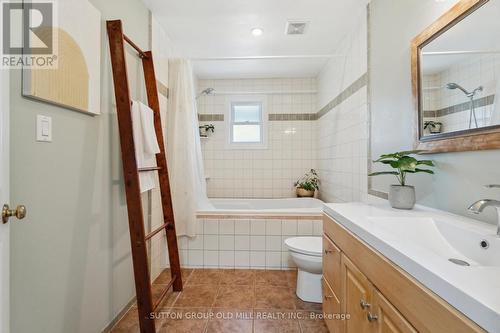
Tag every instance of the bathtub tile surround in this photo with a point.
(260, 173)
(244, 243)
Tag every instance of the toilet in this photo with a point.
(307, 253)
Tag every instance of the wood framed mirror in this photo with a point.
(456, 79)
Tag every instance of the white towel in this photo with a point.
(145, 140)
(148, 130)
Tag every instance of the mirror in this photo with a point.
(459, 73)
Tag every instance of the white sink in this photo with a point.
(444, 238)
(422, 242)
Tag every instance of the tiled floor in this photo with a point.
(231, 301)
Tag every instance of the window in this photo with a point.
(247, 127)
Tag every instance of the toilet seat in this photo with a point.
(311, 246)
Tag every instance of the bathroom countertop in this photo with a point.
(420, 246)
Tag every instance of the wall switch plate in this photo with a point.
(43, 128)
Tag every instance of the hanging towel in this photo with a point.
(144, 137)
(148, 130)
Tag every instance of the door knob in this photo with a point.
(19, 213)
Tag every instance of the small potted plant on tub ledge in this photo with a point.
(306, 186)
(435, 127)
(402, 196)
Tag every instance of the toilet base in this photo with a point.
(309, 287)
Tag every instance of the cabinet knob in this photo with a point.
(372, 317)
(328, 251)
(364, 305)
(327, 297)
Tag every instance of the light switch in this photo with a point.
(43, 128)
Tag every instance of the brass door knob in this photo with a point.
(19, 213)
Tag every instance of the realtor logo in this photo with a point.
(28, 34)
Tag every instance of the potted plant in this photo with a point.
(306, 186)
(402, 196)
(434, 127)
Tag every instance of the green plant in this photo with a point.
(404, 164)
(432, 124)
(309, 182)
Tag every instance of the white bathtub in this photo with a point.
(265, 207)
(250, 233)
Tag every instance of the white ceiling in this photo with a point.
(222, 28)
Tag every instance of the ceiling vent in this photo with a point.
(296, 27)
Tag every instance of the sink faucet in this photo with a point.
(480, 205)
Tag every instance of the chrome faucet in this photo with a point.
(480, 205)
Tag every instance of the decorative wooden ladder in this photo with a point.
(138, 238)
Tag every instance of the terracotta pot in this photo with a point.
(301, 193)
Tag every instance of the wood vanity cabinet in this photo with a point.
(378, 296)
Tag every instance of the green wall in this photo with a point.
(71, 267)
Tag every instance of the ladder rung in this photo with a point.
(164, 293)
(149, 169)
(157, 230)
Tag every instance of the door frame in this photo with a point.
(4, 198)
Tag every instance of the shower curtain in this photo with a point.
(495, 114)
(185, 163)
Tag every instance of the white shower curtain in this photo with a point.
(495, 114)
(185, 162)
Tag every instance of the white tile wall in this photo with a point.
(342, 134)
(268, 173)
(258, 246)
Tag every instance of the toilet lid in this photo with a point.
(312, 246)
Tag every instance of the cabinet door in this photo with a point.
(385, 317)
(356, 299)
(331, 310)
(331, 265)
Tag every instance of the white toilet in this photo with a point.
(307, 253)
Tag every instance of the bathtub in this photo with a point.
(250, 233)
(295, 207)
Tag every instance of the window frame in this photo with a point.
(247, 100)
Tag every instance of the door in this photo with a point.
(4, 198)
(357, 294)
(385, 317)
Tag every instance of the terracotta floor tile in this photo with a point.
(196, 296)
(192, 320)
(238, 277)
(128, 324)
(164, 277)
(312, 325)
(276, 278)
(204, 276)
(274, 298)
(275, 321)
(230, 326)
(242, 297)
(301, 305)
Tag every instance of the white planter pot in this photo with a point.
(402, 197)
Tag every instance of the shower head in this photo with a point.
(453, 86)
(206, 92)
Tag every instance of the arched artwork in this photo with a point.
(75, 82)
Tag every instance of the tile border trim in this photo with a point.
(465, 106)
(344, 95)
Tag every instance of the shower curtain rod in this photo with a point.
(311, 56)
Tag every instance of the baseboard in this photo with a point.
(119, 316)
